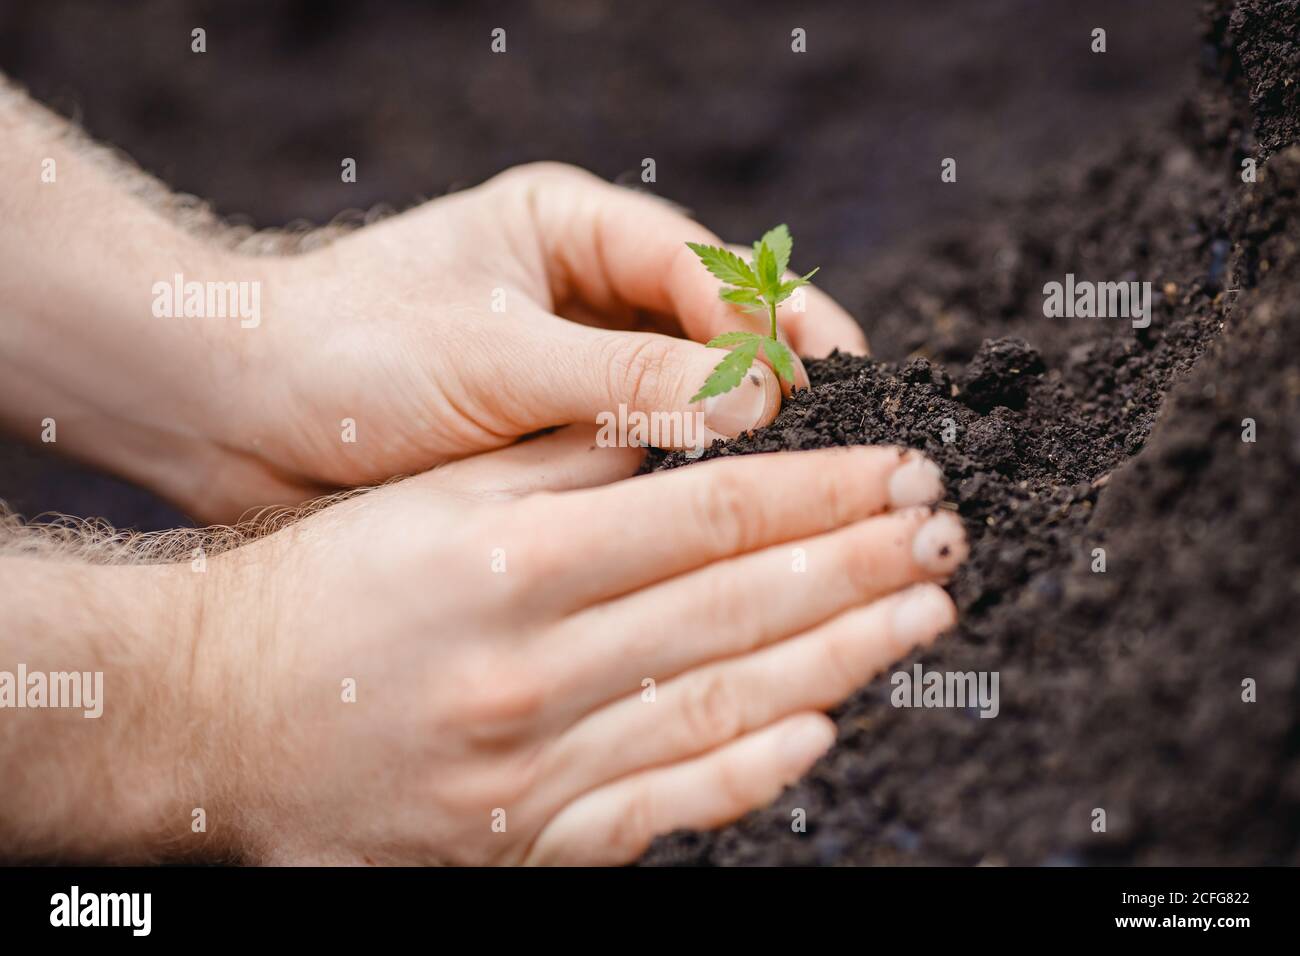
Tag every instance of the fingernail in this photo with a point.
(744, 407)
(806, 742)
(917, 481)
(940, 544)
(924, 612)
(801, 379)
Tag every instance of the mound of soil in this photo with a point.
(1121, 690)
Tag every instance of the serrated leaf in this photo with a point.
(787, 289)
(728, 373)
(725, 265)
(769, 278)
(781, 243)
(747, 299)
(740, 296)
(729, 340)
(780, 357)
(789, 286)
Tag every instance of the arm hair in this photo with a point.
(95, 541)
(192, 214)
(66, 538)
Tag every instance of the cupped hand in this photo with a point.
(543, 297)
(513, 660)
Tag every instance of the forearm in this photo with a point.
(102, 712)
(83, 246)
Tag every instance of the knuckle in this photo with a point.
(500, 694)
(534, 554)
(517, 777)
(633, 828)
(723, 608)
(896, 648)
(842, 674)
(734, 793)
(642, 372)
(862, 565)
(877, 554)
(711, 712)
(725, 504)
(890, 646)
(836, 505)
(543, 173)
(551, 169)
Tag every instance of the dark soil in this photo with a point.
(1120, 690)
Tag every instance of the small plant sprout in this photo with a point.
(755, 286)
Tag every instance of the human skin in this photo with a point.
(498, 649)
(499, 612)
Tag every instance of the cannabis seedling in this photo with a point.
(755, 286)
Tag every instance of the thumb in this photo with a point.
(610, 375)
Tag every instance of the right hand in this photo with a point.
(517, 695)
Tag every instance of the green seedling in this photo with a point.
(755, 286)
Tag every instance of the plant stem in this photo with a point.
(771, 308)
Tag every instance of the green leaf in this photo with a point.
(728, 373)
(729, 340)
(769, 278)
(740, 297)
(780, 358)
(781, 243)
(725, 264)
(787, 288)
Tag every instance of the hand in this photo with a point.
(436, 334)
(439, 334)
(500, 633)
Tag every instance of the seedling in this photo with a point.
(755, 286)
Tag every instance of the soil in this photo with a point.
(1123, 689)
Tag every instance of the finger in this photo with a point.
(614, 247)
(706, 707)
(810, 330)
(683, 519)
(562, 460)
(616, 823)
(644, 320)
(733, 607)
(570, 373)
